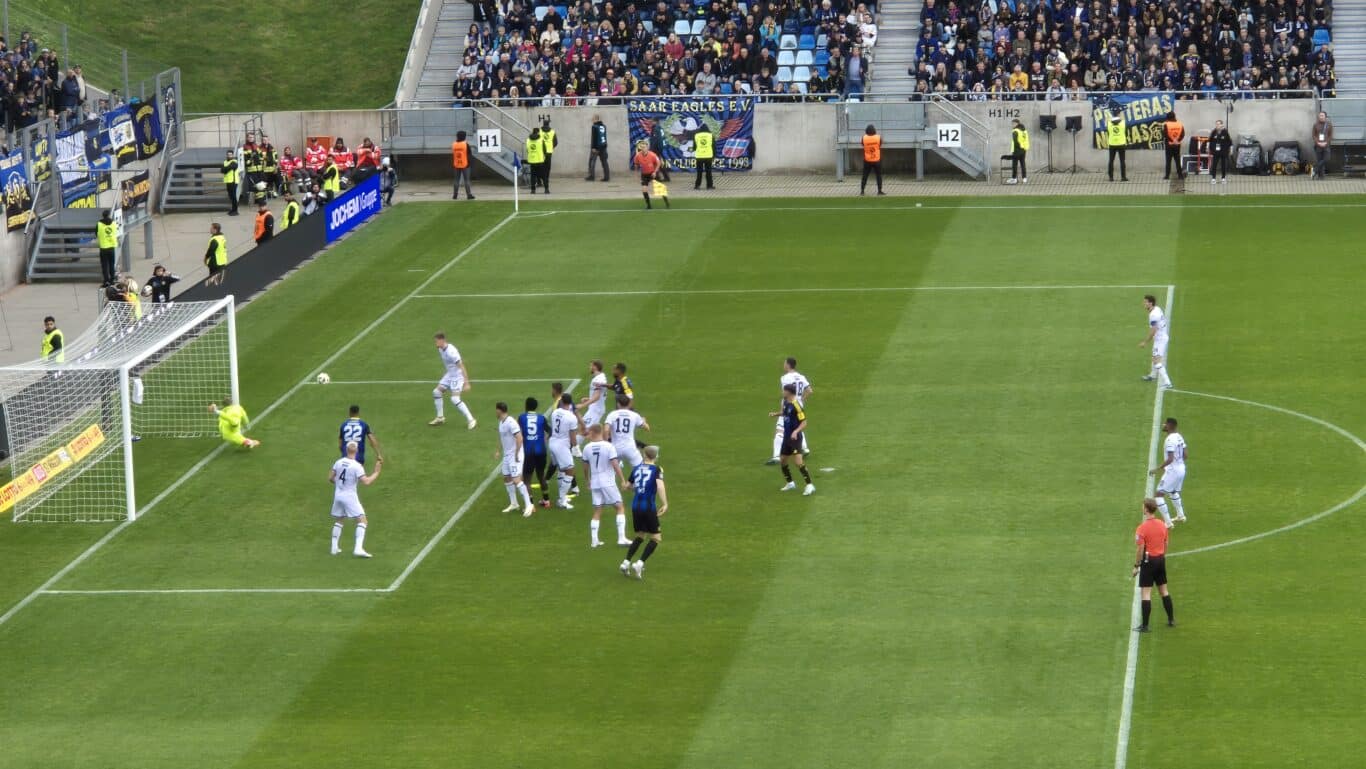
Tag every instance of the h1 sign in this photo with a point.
(488, 141)
(353, 207)
(949, 134)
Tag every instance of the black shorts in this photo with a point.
(791, 446)
(1153, 571)
(534, 463)
(645, 179)
(214, 267)
(645, 522)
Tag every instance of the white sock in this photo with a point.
(1176, 503)
(1162, 508)
(565, 483)
(512, 493)
(526, 493)
(777, 442)
(593, 527)
(464, 410)
(440, 407)
(621, 527)
(1162, 378)
(578, 441)
(1152, 370)
(336, 533)
(804, 448)
(360, 537)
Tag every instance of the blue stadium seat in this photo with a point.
(805, 58)
(563, 10)
(727, 88)
(822, 57)
(786, 59)
(806, 42)
(541, 11)
(697, 26)
(799, 86)
(824, 70)
(788, 42)
(662, 40)
(682, 28)
(1322, 37)
(649, 25)
(784, 75)
(790, 25)
(801, 75)
(808, 29)
(822, 42)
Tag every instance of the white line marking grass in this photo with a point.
(431, 381)
(1126, 709)
(741, 209)
(761, 291)
(193, 471)
(1352, 500)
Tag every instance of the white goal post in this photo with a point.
(72, 429)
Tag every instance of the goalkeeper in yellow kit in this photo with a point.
(232, 419)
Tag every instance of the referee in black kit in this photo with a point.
(1150, 563)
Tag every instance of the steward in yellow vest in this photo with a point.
(216, 258)
(54, 344)
(230, 180)
(703, 151)
(1117, 138)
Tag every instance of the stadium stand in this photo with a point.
(1058, 50)
(596, 53)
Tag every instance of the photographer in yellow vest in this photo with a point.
(703, 151)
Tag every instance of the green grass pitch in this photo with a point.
(954, 595)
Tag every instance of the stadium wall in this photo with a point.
(800, 138)
(13, 260)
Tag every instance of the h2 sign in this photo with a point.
(353, 207)
(949, 134)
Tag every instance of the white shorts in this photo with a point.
(610, 495)
(346, 507)
(1171, 480)
(512, 466)
(561, 455)
(454, 384)
(629, 455)
(1159, 348)
(591, 418)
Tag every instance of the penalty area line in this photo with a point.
(1126, 710)
(797, 290)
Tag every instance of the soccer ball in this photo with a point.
(323, 378)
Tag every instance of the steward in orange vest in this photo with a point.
(1173, 133)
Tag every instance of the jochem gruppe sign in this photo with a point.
(353, 207)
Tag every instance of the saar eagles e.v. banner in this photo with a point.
(730, 119)
(18, 201)
(1144, 114)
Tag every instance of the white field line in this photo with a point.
(1361, 492)
(1126, 710)
(425, 381)
(936, 207)
(393, 586)
(741, 291)
(78, 560)
(455, 518)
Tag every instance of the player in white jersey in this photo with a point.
(510, 452)
(455, 382)
(563, 427)
(594, 405)
(790, 377)
(1157, 335)
(1173, 469)
(621, 424)
(606, 481)
(346, 474)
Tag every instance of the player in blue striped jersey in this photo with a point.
(356, 430)
(534, 429)
(648, 503)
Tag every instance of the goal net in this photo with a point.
(73, 429)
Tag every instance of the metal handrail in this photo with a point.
(1238, 94)
(979, 127)
(792, 97)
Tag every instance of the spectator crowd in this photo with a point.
(34, 86)
(1064, 49)
(599, 52)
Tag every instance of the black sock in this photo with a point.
(649, 549)
(1167, 604)
(805, 475)
(646, 195)
(635, 545)
(787, 473)
(666, 202)
(1147, 610)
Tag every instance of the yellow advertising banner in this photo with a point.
(31, 480)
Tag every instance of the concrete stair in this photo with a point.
(1349, 46)
(65, 248)
(194, 182)
(447, 50)
(898, 31)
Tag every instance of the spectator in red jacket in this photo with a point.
(343, 157)
(315, 156)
